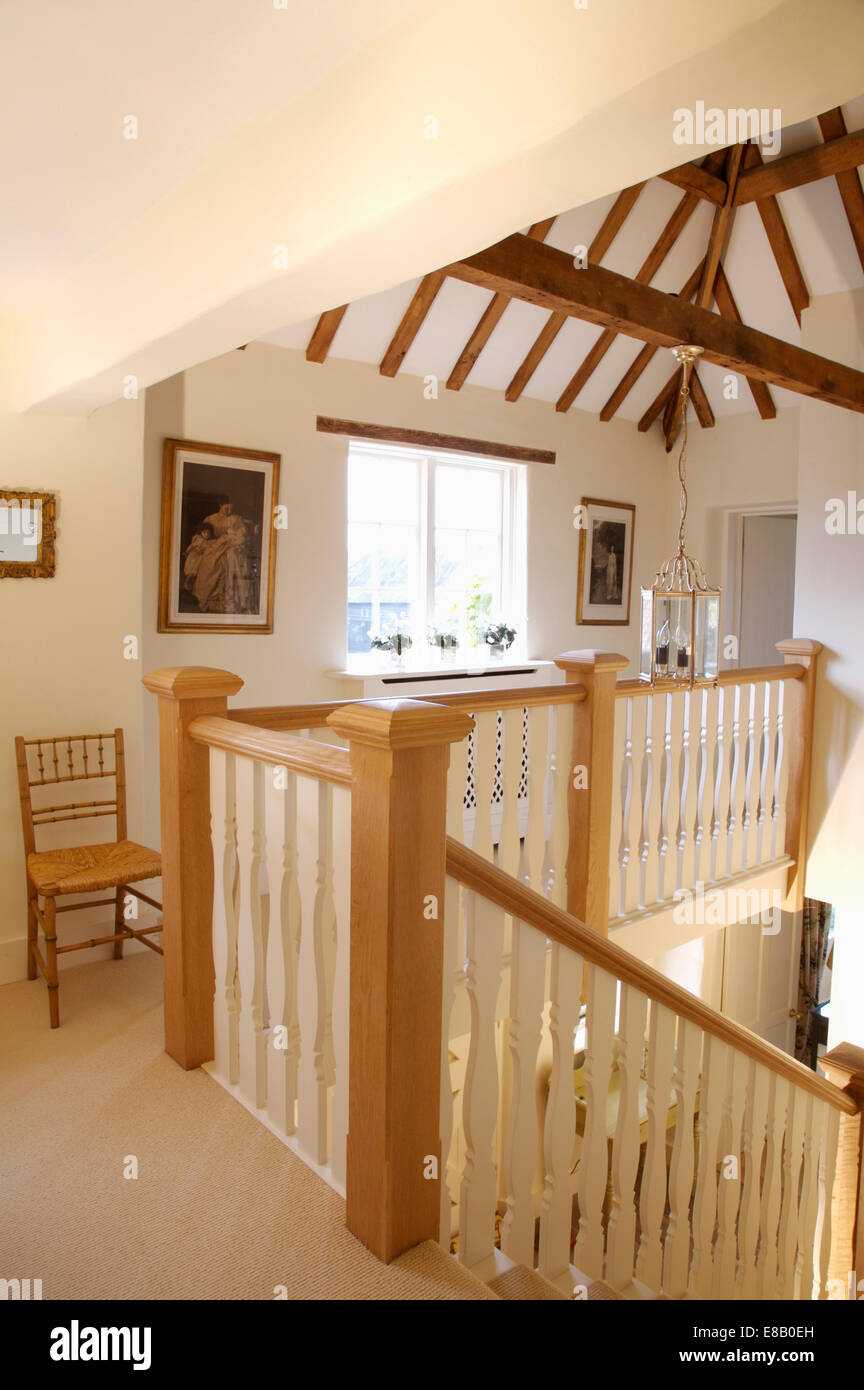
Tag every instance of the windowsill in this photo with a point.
(492, 667)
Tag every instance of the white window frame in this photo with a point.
(514, 531)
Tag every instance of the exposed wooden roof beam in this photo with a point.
(489, 320)
(661, 400)
(794, 170)
(412, 320)
(780, 242)
(609, 229)
(701, 404)
(325, 332)
(542, 275)
(645, 354)
(694, 179)
(833, 127)
(727, 306)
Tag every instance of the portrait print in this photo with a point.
(605, 562)
(218, 538)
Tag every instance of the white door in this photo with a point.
(760, 978)
(767, 587)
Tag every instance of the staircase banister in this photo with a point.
(529, 907)
(323, 761)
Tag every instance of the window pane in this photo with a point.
(466, 495)
(383, 490)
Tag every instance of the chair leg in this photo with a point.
(119, 922)
(51, 961)
(32, 930)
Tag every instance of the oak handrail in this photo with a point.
(521, 901)
(315, 716)
(745, 676)
(323, 761)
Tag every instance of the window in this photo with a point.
(434, 541)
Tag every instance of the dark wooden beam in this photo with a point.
(780, 242)
(489, 320)
(794, 170)
(701, 403)
(660, 401)
(727, 306)
(644, 356)
(720, 228)
(325, 332)
(606, 234)
(541, 275)
(412, 320)
(693, 179)
(425, 439)
(833, 127)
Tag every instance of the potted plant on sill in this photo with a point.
(498, 638)
(396, 643)
(445, 643)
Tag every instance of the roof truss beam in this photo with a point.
(794, 170)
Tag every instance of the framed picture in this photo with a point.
(218, 557)
(27, 529)
(605, 562)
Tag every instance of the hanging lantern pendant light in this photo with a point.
(681, 609)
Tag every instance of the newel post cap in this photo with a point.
(798, 648)
(192, 682)
(398, 724)
(844, 1065)
(589, 661)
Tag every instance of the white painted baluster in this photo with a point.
(827, 1168)
(486, 735)
(729, 1195)
(226, 1004)
(766, 1264)
(283, 940)
(787, 1239)
(593, 1177)
(752, 1143)
(452, 923)
(733, 832)
(484, 945)
(324, 935)
(633, 893)
(511, 775)
(621, 1234)
(665, 879)
(647, 778)
(808, 1211)
(781, 779)
(534, 850)
(686, 793)
(750, 823)
(341, 841)
(308, 1103)
(769, 691)
(457, 784)
(527, 993)
(714, 1066)
(250, 941)
(652, 1202)
(720, 808)
(563, 776)
(616, 828)
(627, 851)
(704, 707)
(676, 1258)
(556, 1210)
(653, 795)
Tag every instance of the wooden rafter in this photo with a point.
(609, 229)
(412, 320)
(833, 127)
(541, 275)
(695, 179)
(660, 401)
(325, 332)
(717, 239)
(780, 242)
(489, 320)
(726, 304)
(794, 170)
(645, 354)
(701, 404)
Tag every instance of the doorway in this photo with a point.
(762, 588)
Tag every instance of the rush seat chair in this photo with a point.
(54, 873)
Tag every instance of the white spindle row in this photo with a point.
(699, 790)
(281, 847)
(669, 1157)
(507, 793)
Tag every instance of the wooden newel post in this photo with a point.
(590, 806)
(400, 752)
(799, 700)
(844, 1065)
(185, 692)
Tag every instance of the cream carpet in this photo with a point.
(219, 1210)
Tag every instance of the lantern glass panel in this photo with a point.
(681, 624)
(646, 644)
(707, 636)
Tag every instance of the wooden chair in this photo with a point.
(85, 868)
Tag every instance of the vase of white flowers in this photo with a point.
(396, 644)
(446, 644)
(499, 637)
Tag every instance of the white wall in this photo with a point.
(829, 605)
(63, 669)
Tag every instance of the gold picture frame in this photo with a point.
(28, 528)
(605, 562)
(217, 563)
